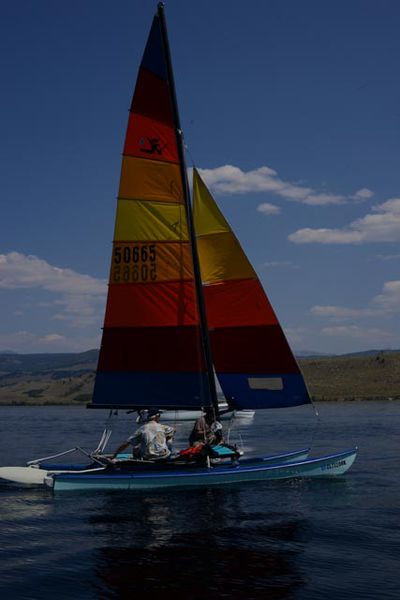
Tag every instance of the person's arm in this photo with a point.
(168, 431)
(120, 449)
(198, 432)
(216, 428)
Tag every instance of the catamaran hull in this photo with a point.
(327, 466)
(36, 474)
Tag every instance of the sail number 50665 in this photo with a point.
(134, 263)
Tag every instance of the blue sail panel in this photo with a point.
(154, 55)
(138, 390)
(252, 391)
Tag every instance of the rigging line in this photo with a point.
(230, 425)
(190, 155)
(317, 422)
(105, 437)
(316, 413)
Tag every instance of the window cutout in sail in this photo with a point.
(266, 383)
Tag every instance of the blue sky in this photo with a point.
(291, 111)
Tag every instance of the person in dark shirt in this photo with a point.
(206, 430)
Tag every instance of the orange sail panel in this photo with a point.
(253, 361)
(151, 352)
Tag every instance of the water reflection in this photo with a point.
(208, 543)
(19, 503)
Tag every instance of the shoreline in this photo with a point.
(23, 403)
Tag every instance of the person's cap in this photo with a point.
(153, 413)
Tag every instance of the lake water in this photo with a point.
(302, 539)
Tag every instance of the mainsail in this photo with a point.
(253, 361)
(152, 350)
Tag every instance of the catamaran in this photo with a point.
(183, 303)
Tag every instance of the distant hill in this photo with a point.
(69, 378)
(362, 376)
(47, 378)
(307, 353)
(34, 363)
(372, 352)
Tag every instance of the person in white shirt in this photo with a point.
(151, 441)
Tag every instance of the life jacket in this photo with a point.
(193, 452)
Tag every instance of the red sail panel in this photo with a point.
(253, 361)
(152, 349)
(151, 352)
(170, 304)
(149, 138)
(256, 349)
(152, 98)
(228, 304)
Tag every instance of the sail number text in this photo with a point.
(134, 263)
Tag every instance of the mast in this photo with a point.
(189, 216)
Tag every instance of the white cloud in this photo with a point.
(232, 180)
(322, 199)
(384, 305)
(389, 299)
(28, 342)
(296, 335)
(26, 271)
(370, 335)
(383, 225)
(279, 264)
(324, 236)
(341, 312)
(268, 209)
(388, 256)
(80, 298)
(363, 194)
(52, 338)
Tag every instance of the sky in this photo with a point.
(291, 112)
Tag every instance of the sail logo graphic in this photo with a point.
(155, 146)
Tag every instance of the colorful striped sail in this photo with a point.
(253, 361)
(151, 352)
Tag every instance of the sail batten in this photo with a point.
(253, 361)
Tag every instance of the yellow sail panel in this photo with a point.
(222, 259)
(151, 262)
(150, 221)
(144, 179)
(208, 218)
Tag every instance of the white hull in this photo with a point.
(192, 415)
(28, 475)
(33, 475)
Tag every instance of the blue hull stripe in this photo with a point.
(237, 390)
(177, 390)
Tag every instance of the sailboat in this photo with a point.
(184, 302)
